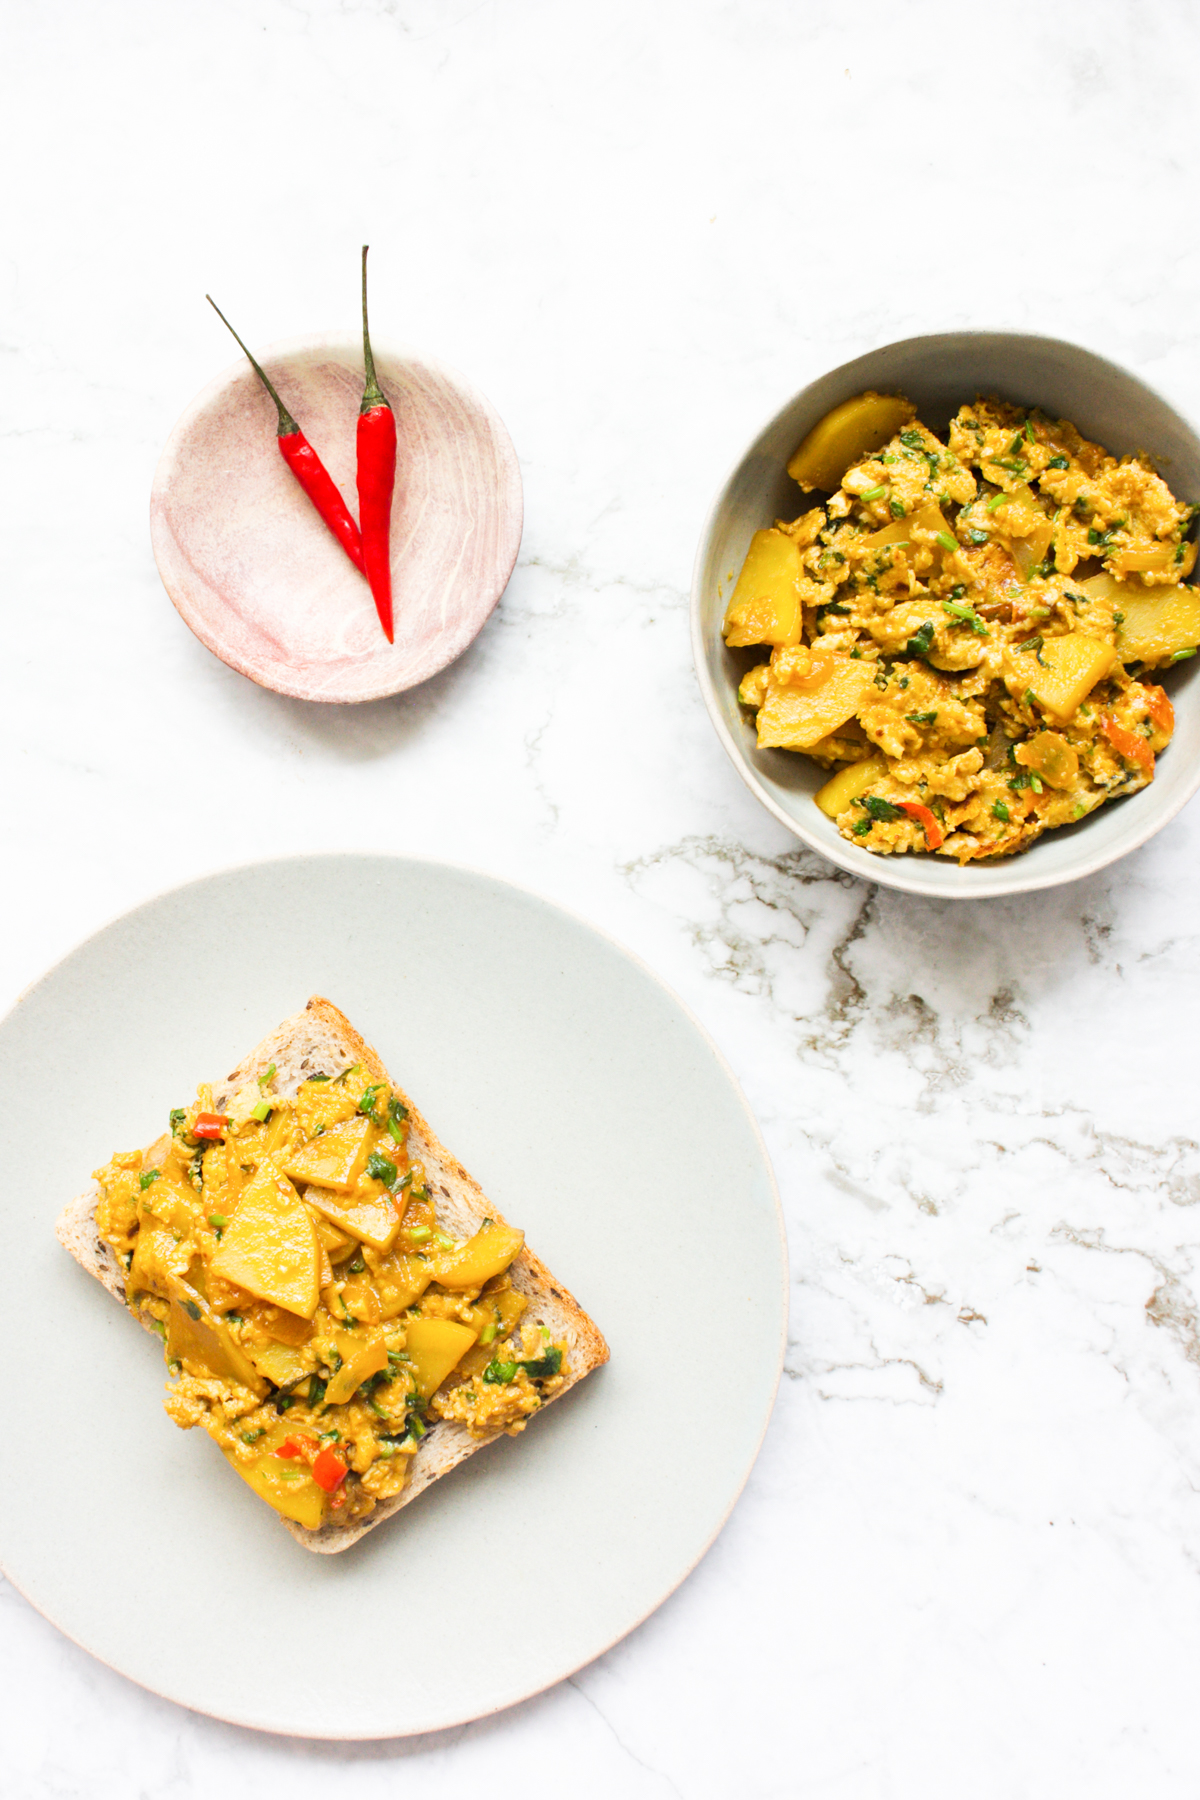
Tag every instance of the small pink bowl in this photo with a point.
(256, 574)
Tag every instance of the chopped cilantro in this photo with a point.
(966, 615)
(921, 639)
(882, 810)
(1058, 462)
(147, 1176)
(1001, 812)
(925, 718)
(381, 1168)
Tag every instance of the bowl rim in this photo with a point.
(888, 871)
(510, 500)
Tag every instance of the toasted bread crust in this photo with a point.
(321, 1040)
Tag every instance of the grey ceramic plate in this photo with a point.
(592, 1109)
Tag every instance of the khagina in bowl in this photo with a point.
(259, 578)
(938, 374)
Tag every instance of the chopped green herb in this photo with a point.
(252, 1437)
(881, 809)
(381, 1168)
(920, 641)
(1028, 697)
(1035, 782)
(1078, 811)
(958, 590)
(1058, 462)
(498, 1374)
(1001, 812)
(946, 541)
(316, 1390)
(873, 493)
(912, 439)
(261, 1112)
(1182, 655)
(966, 616)
(190, 1308)
(347, 1071)
(861, 827)
(267, 1075)
(358, 1266)
(1093, 536)
(997, 500)
(147, 1176)
(420, 1234)
(540, 1368)
(318, 1078)
(218, 1221)
(367, 1102)
(397, 1113)
(978, 537)
(925, 718)
(1118, 618)
(444, 1242)
(178, 1115)
(896, 508)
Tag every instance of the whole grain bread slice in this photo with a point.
(321, 1041)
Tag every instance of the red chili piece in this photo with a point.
(209, 1125)
(328, 1470)
(307, 467)
(926, 820)
(376, 477)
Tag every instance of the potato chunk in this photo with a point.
(765, 606)
(1062, 673)
(796, 718)
(1158, 623)
(372, 1218)
(270, 1245)
(198, 1335)
(849, 784)
(851, 431)
(434, 1346)
(361, 1357)
(488, 1253)
(336, 1159)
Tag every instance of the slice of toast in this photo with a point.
(321, 1041)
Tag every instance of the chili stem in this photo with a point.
(287, 425)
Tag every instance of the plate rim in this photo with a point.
(454, 1719)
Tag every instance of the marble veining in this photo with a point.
(968, 1559)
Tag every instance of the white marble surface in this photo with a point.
(969, 1557)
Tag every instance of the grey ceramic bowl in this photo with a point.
(938, 374)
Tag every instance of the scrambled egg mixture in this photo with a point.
(315, 1315)
(965, 629)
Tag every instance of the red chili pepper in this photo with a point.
(303, 1445)
(1160, 709)
(307, 466)
(329, 1471)
(1128, 744)
(376, 477)
(934, 835)
(209, 1125)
